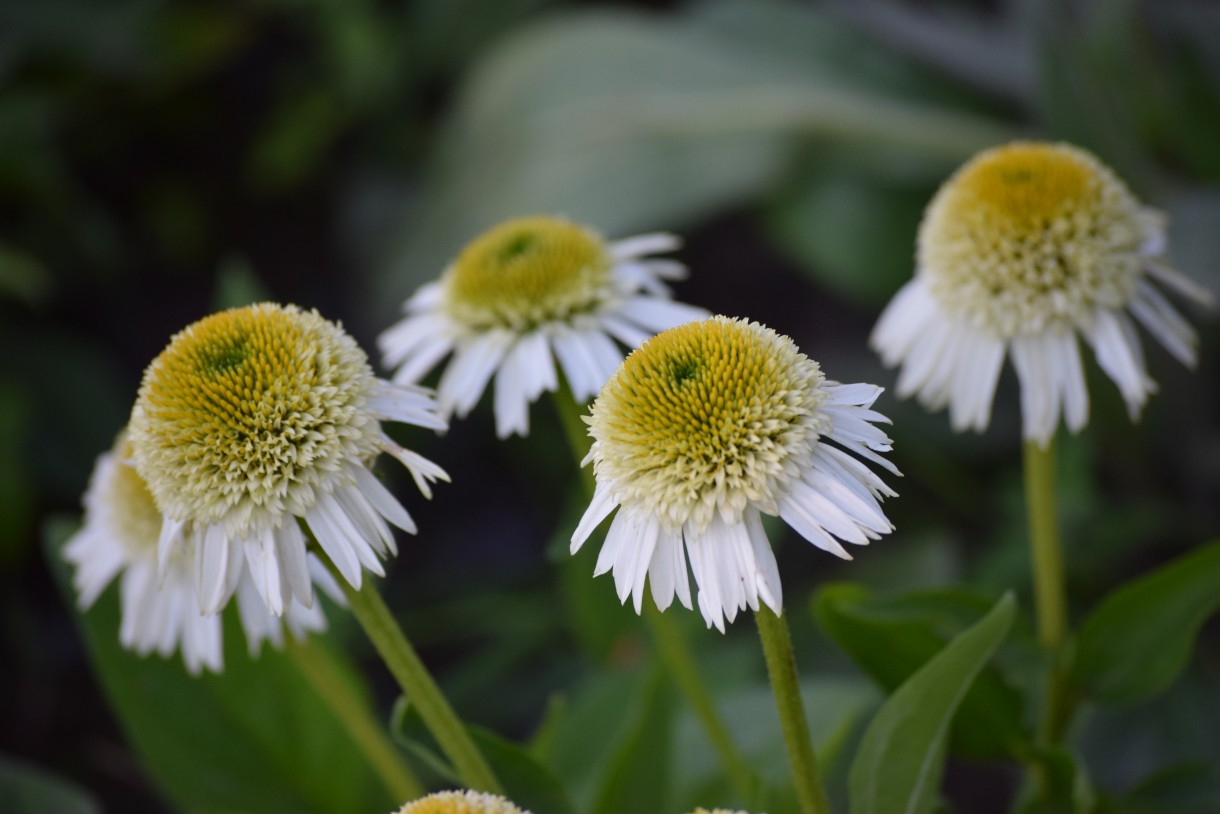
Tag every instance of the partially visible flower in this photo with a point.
(160, 611)
(1026, 246)
(256, 417)
(521, 291)
(704, 429)
(461, 802)
(718, 811)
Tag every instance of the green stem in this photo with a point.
(421, 691)
(318, 666)
(677, 657)
(781, 667)
(1049, 591)
(1047, 557)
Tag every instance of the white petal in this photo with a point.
(264, 571)
(290, 547)
(381, 500)
(907, 317)
(657, 314)
(1119, 355)
(767, 573)
(640, 245)
(472, 366)
(1164, 322)
(599, 507)
(218, 564)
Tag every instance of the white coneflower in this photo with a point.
(702, 430)
(160, 610)
(256, 417)
(522, 291)
(1024, 247)
(461, 802)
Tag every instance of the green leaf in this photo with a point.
(1189, 788)
(528, 782)
(637, 777)
(254, 738)
(1063, 784)
(891, 639)
(1138, 640)
(854, 234)
(900, 759)
(26, 789)
(632, 122)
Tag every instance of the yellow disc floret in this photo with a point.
(460, 802)
(248, 412)
(525, 272)
(707, 417)
(1031, 234)
(130, 510)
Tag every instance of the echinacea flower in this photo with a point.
(524, 293)
(701, 431)
(160, 611)
(1022, 249)
(718, 811)
(461, 802)
(256, 418)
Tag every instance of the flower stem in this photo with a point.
(421, 691)
(677, 657)
(1049, 592)
(781, 667)
(318, 666)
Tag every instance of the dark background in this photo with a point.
(161, 160)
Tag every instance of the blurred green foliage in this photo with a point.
(161, 159)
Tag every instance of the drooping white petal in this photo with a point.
(640, 245)
(600, 506)
(468, 373)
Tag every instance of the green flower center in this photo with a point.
(1030, 234)
(526, 272)
(709, 416)
(251, 409)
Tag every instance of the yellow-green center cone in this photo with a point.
(460, 802)
(525, 272)
(133, 510)
(707, 417)
(1029, 234)
(248, 412)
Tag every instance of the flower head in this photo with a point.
(702, 430)
(160, 611)
(521, 291)
(1025, 246)
(460, 802)
(256, 417)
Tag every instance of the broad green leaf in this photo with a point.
(1063, 785)
(1135, 644)
(900, 759)
(254, 738)
(638, 777)
(26, 789)
(527, 781)
(1190, 788)
(891, 639)
(855, 235)
(597, 706)
(835, 709)
(632, 122)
